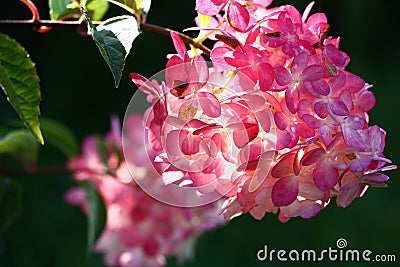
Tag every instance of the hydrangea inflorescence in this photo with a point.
(140, 230)
(274, 123)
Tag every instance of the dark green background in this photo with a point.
(77, 88)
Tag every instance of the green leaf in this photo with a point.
(10, 202)
(20, 144)
(20, 83)
(114, 38)
(96, 216)
(60, 136)
(98, 7)
(59, 8)
(62, 9)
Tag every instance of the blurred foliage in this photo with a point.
(78, 90)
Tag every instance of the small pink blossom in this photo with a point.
(140, 230)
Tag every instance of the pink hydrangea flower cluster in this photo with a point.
(140, 230)
(275, 123)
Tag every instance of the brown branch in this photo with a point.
(46, 24)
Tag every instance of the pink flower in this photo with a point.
(275, 123)
(140, 230)
(300, 72)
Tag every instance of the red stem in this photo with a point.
(33, 9)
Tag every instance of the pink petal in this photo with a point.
(255, 101)
(171, 175)
(189, 143)
(154, 136)
(296, 163)
(262, 170)
(353, 138)
(238, 16)
(281, 120)
(313, 156)
(377, 137)
(338, 58)
(284, 166)
(253, 35)
(337, 82)
(353, 82)
(172, 143)
(313, 73)
(208, 130)
(282, 76)
(210, 7)
(196, 124)
(326, 134)
(307, 12)
(265, 76)
(143, 84)
(375, 177)
(232, 211)
(204, 182)
(178, 44)
(218, 54)
(258, 212)
(271, 100)
(292, 99)
(337, 107)
(303, 130)
(309, 210)
(299, 63)
(176, 70)
(263, 199)
(346, 97)
(366, 101)
(226, 147)
(285, 191)
(304, 108)
(321, 87)
(159, 112)
(239, 59)
(283, 139)
(325, 175)
(310, 191)
(320, 109)
(198, 72)
(248, 73)
(282, 218)
(210, 104)
(311, 121)
(294, 14)
(243, 133)
(345, 198)
(264, 119)
(263, 3)
(292, 210)
(317, 18)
